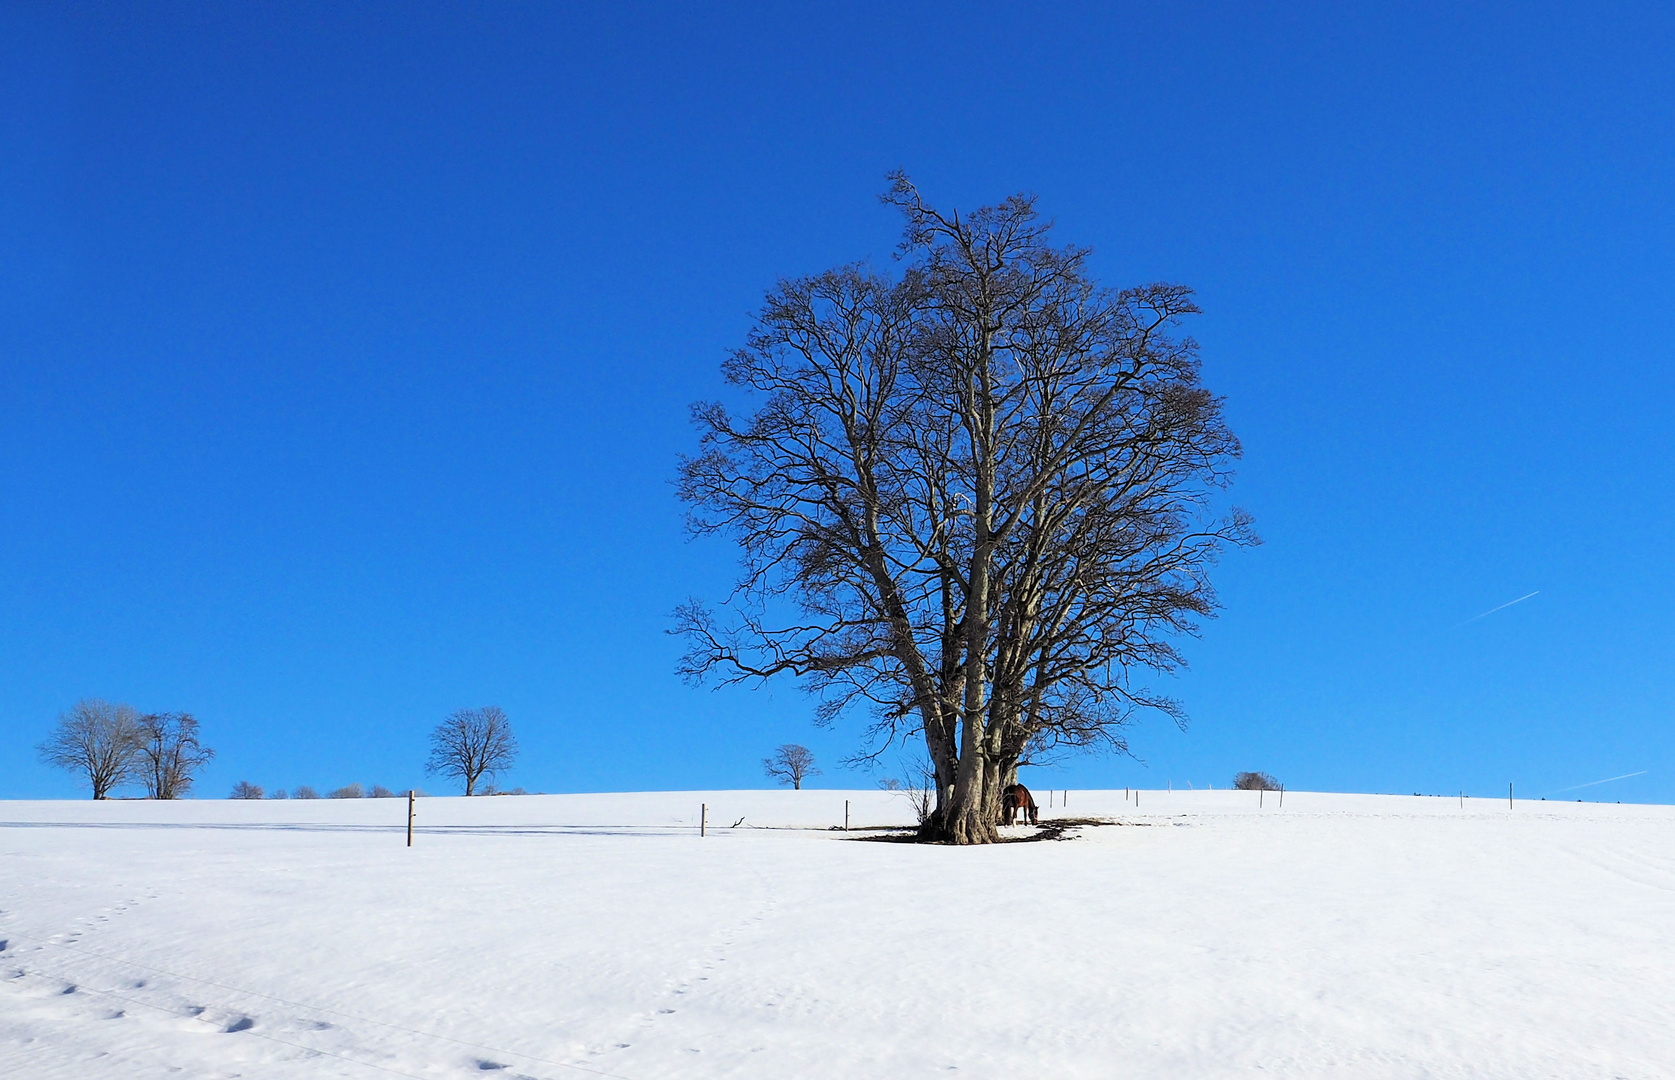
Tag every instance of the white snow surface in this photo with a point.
(1197, 935)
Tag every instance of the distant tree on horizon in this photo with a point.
(472, 744)
(170, 754)
(244, 789)
(347, 791)
(790, 764)
(99, 740)
(1255, 781)
(303, 791)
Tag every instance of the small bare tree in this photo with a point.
(1255, 781)
(99, 740)
(790, 765)
(306, 792)
(920, 789)
(472, 744)
(244, 789)
(170, 754)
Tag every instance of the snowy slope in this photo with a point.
(554, 936)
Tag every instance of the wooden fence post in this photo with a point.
(410, 794)
(703, 818)
(846, 815)
(1509, 795)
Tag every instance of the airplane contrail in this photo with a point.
(1508, 604)
(1596, 783)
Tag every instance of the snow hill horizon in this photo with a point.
(518, 792)
(1191, 934)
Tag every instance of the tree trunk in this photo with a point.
(972, 823)
(969, 821)
(940, 749)
(992, 786)
(973, 820)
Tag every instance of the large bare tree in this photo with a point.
(170, 754)
(472, 744)
(99, 740)
(975, 496)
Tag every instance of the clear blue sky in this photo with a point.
(345, 353)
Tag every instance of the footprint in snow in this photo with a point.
(485, 1065)
(243, 1023)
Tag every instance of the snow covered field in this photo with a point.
(572, 935)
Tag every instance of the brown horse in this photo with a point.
(1016, 797)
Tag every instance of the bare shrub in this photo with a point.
(920, 789)
(99, 740)
(244, 789)
(278, 793)
(347, 791)
(305, 792)
(791, 764)
(1255, 781)
(379, 791)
